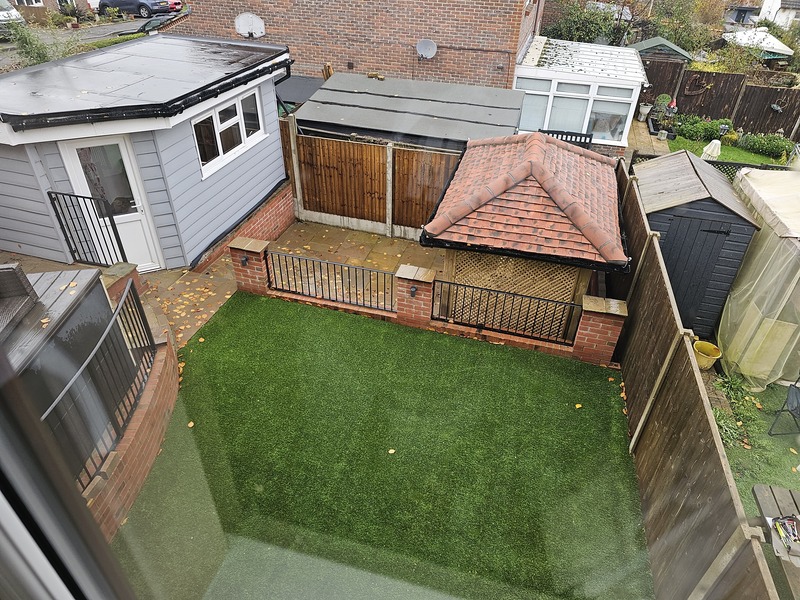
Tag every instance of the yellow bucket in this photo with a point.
(706, 354)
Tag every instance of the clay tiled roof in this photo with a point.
(536, 195)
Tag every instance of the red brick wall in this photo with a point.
(267, 223)
(140, 444)
(597, 337)
(250, 277)
(477, 41)
(416, 311)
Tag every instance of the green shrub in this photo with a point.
(33, 50)
(729, 139)
(729, 430)
(696, 128)
(768, 144)
(81, 15)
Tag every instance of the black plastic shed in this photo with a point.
(705, 230)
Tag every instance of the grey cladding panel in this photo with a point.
(207, 208)
(148, 162)
(27, 225)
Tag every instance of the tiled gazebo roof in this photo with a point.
(532, 195)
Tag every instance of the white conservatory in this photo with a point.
(577, 87)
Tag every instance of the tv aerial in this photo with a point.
(249, 25)
(426, 49)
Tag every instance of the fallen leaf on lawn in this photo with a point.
(794, 469)
(746, 446)
(45, 320)
(190, 424)
(622, 385)
(201, 340)
(579, 406)
(73, 284)
(759, 406)
(739, 423)
(392, 450)
(611, 379)
(624, 411)
(792, 450)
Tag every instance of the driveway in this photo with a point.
(88, 32)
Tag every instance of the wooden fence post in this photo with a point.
(650, 237)
(298, 186)
(389, 187)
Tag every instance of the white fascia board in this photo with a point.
(541, 73)
(10, 137)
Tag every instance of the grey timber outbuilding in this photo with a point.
(705, 230)
(425, 113)
(176, 154)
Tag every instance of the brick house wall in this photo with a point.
(477, 41)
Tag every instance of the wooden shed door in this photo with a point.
(691, 251)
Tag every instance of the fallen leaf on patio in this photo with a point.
(792, 450)
(611, 379)
(201, 340)
(399, 256)
(62, 288)
(73, 284)
(44, 326)
(205, 315)
(72, 293)
(45, 320)
(579, 406)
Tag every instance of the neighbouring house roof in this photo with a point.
(154, 76)
(661, 43)
(591, 60)
(535, 196)
(760, 39)
(681, 177)
(790, 4)
(298, 88)
(404, 109)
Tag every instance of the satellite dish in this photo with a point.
(249, 25)
(426, 49)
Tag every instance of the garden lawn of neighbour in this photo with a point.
(451, 465)
(727, 154)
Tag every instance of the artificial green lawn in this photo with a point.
(728, 153)
(498, 487)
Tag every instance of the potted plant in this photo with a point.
(661, 117)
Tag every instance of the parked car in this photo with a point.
(143, 8)
(148, 26)
(8, 14)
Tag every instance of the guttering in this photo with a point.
(165, 109)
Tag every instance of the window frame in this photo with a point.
(224, 158)
(593, 95)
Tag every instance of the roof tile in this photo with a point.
(533, 194)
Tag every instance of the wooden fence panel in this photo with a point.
(420, 177)
(711, 95)
(755, 113)
(663, 75)
(286, 147)
(687, 496)
(745, 577)
(343, 177)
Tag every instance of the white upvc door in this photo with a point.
(105, 167)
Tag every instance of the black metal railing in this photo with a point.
(338, 282)
(583, 140)
(91, 413)
(505, 312)
(89, 228)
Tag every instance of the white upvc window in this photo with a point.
(227, 131)
(600, 109)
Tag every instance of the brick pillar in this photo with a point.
(414, 295)
(249, 258)
(599, 329)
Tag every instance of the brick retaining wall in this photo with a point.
(113, 491)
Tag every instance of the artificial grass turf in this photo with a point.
(727, 154)
(499, 487)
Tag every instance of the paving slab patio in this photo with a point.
(356, 248)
